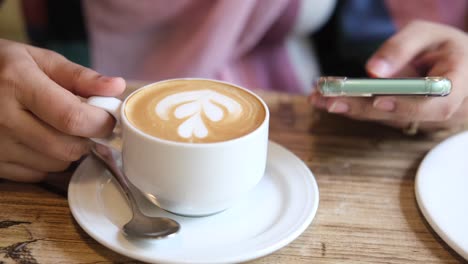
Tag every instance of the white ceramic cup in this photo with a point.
(193, 179)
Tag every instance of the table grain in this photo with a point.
(367, 212)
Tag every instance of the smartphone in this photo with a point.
(365, 87)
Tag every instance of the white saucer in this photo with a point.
(272, 215)
(442, 191)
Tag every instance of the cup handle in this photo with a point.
(112, 106)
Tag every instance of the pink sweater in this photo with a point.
(241, 41)
(228, 40)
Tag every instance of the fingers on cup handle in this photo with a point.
(74, 77)
(110, 104)
(61, 109)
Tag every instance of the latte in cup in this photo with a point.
(191, 146)
(195, 111)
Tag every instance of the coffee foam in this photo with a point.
(198, 111)
(192, 105)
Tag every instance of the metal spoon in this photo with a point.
(140, 225)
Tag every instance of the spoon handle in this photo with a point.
(106, 156)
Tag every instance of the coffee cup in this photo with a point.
(191, 146)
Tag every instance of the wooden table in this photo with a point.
(367, 212)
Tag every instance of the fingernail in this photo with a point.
(385, 104)
(338, 107)
(105, 78)
(379, 67)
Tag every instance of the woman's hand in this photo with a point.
(43, 124)
(419, 49)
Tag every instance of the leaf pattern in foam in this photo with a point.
(191, 104)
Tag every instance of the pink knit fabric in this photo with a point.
(240, 41)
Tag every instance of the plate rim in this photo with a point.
(420, 200)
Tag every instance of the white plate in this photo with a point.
(442, 191)
(272, 215)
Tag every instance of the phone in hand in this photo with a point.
(365, 87)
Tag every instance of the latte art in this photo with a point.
(190, 106)
(192, 110)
